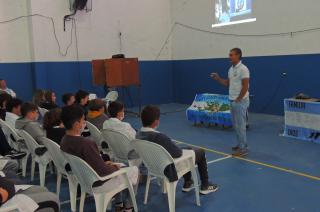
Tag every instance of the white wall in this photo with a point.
(14, 37)
(273, 16)
(144, 25)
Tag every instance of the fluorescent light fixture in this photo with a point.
(234, 22)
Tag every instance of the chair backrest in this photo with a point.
(119, 144)
(42, 111)
(85, 175)
(29, 140)
(95, 133)
(56, 154)
(154, 156)
(112, 96)
(10, 133)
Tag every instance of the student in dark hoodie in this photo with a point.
(82, 99)
(50, 100)
(29, 123)
(53, 125)
(150, 118)
(73, 143)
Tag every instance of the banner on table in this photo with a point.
(302, 120)
(210, 108)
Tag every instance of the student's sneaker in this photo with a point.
(14, 154)
(187, 186)
(240, 153)
(208, 189)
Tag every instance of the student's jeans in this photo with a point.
(201, 161)
(239, 120)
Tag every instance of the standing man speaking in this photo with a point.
(238, 83)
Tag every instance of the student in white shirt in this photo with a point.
(4, 88)
(13, 111)
(116, 113)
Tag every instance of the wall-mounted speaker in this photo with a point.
(80, 5)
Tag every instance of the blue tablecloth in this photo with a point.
(210, 108)
(302, 120)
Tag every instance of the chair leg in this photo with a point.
(147, 190)
(132, 194)
(164, 189)
(51, 165)
(171, 192)
(73, 193)
(42, 171)
(100, 202)
(196, 183)
(82, 198)
(24, 162)
(33, 164)
(59, 176)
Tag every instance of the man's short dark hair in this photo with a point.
(81, 94)
(238, 51)
(13, 103)
(70, 115)
(149, 114)
(28, 107)
(96, 104)
(114, 108)
(66, 97)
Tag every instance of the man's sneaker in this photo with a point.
(13, 154)
(187, 186)
(240, 153)
(235, 148)
(209, 189)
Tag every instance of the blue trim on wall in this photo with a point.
(62, 77)
(177, 81)
(267, 84)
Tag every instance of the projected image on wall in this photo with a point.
(229, 12)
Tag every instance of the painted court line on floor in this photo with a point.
(219, 159)
(254, 162)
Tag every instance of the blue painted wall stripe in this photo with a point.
(178, 80)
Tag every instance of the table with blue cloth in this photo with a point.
(302, 119)
(210, 109)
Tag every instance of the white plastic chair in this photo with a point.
(42, 111)
(96, 135)
(17, 143)
(111, 97)
(60, 163)
(86, 176)
(9, 209)
(42, 160)
(120, 146)
(156, 159)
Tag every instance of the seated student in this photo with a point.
(68, 99)
(82, 98)
(50, 100)
(29, 123)
(73, 143)
(116, 113)
(53, 125)
(13, 111)
(150, 118)
(47, 201)
(4, 98)
(4, 88)
(96, 114)
(38, 97)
